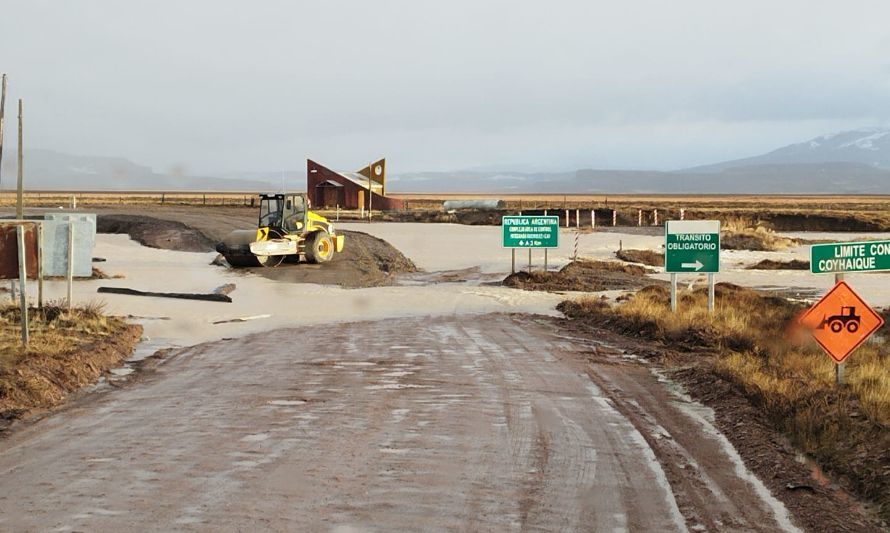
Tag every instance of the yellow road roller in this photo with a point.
(286, 230)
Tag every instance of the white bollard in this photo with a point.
(577, 218)
(614, 217)
(575, 253)
(640, 217)
(567, 218)
(655, 217)
(682, 214)
(592, 219)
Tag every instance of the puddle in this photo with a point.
(286, 403)
(256, 437)
(394, 386)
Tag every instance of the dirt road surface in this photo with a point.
(478, 423)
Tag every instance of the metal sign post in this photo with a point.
(838, 367)
(23, 278)
(370, 190)
(40, 266)
(70, 276)
(673, 293)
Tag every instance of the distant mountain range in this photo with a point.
(850, 162)
(866, 146)
(50, 170)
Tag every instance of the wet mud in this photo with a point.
(586, 276)
(365, 261)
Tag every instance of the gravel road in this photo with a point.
(483, 423)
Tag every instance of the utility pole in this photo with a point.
(20, 203)
(2, 112)
(370, 189)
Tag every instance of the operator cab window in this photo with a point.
(294, 212)
(270, 212)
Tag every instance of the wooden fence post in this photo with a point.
(2, 114)
(20, 200)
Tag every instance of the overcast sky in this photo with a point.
(220, 86)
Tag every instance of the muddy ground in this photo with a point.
(156, 232)
(366, 261)
(817, 503)
(407, 424)
(586, 276)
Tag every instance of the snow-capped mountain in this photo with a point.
(867, 146)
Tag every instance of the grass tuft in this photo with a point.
(646, 257)
(741, 234)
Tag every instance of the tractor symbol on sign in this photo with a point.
(847, 319)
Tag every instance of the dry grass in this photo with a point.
(847, 429)
(66, 351)
(97, 198)
(742, 234)
(646, 257)
(771, 264)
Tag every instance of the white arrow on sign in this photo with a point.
(697, 265)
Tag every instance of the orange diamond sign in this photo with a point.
(841, 321)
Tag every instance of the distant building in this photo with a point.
(350, 190)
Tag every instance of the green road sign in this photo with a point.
(692, 246)
(530, 232)
(871, 256)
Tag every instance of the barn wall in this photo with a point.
(350, 189)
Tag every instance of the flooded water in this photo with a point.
(263, 303)
(462, 265)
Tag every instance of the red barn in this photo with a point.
(350, 190)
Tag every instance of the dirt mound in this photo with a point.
(67, 352)
(769, 264)
(366, 261)
(646, 257)
(156, 232)
(588, 276)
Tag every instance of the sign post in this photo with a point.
(692, 246)
(23, 278)
(521, 231)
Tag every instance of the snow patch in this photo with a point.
(867, 142)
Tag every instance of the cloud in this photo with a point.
(222, 86)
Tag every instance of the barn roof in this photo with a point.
(360, 180)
